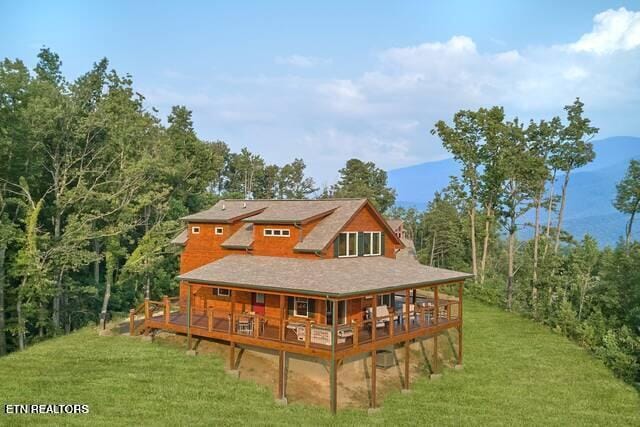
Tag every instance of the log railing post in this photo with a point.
(307, 333)
(210, 319)
(256, 326)
(167, 309)
(407, 304)
(282, 329)
(437, 305)
(146, 309)
(132, 321)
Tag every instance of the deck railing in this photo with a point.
(305, 333)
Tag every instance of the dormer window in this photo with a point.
(372, 243)
(219, 231)
(195, 230)
(277, 232)
(348, 244)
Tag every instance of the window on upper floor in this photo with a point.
(224, 292)
(348, 244)
(277, 232)
(195, 230)
(371, 241)
(219, 231)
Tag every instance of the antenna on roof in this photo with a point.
(223, 207)
(244, 205)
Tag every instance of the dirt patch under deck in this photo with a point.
(308, 378)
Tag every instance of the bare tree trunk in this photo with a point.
(55, 316)
(629, 227)
(105, 298)
(549, 214)
(96, 263)
(474, 260)
(512, 244)
(433, 248)
(3, 337)
(485, 245)
(563, 201)
(21, 325)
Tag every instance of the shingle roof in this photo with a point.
(333, 214)
(229, 211)
(181, 239)
(394, 223)
(330, 277)
(292, 211)
(243, 238)
(323, 233)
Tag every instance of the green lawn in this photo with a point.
(516, 373)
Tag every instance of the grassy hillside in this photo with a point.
(516, 372)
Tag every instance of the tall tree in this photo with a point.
(628, 196)
(364, 179)
(463, 141)
(575, 151)
(543, 139)
(523, 170)
(292, 182)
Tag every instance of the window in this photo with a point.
(384, 300)
(371, 241)
(342, 313)
(259, 298)
(279, 232)
(223, 292)
(301, 307)
(219, 230)
(195, 230)
(348, 244)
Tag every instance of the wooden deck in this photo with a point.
(307, 338)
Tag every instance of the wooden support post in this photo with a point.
(374, 315)
(307, 333)
(435, 354)
(406, 364)
(460, 289)
(356, 334)
(167, 309)
(281, 375)
(415, 296)
(147, 311)
(210, 319)
(391, 326)
(437, 304)
(132, 321)
(232, 327)
(256, 326)
(283, 307)
(374, 366)
(232, 355)
(407, 312)
(189, 317)
(333, 381)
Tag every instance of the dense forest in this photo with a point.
(93, 184)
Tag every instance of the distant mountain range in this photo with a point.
(591, 188)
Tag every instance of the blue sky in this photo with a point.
(329, 81)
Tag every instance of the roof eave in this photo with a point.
(330, 294)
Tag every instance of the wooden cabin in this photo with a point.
(325, 278)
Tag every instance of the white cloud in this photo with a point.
(384, 114)
(613, 30)
(302, 61)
